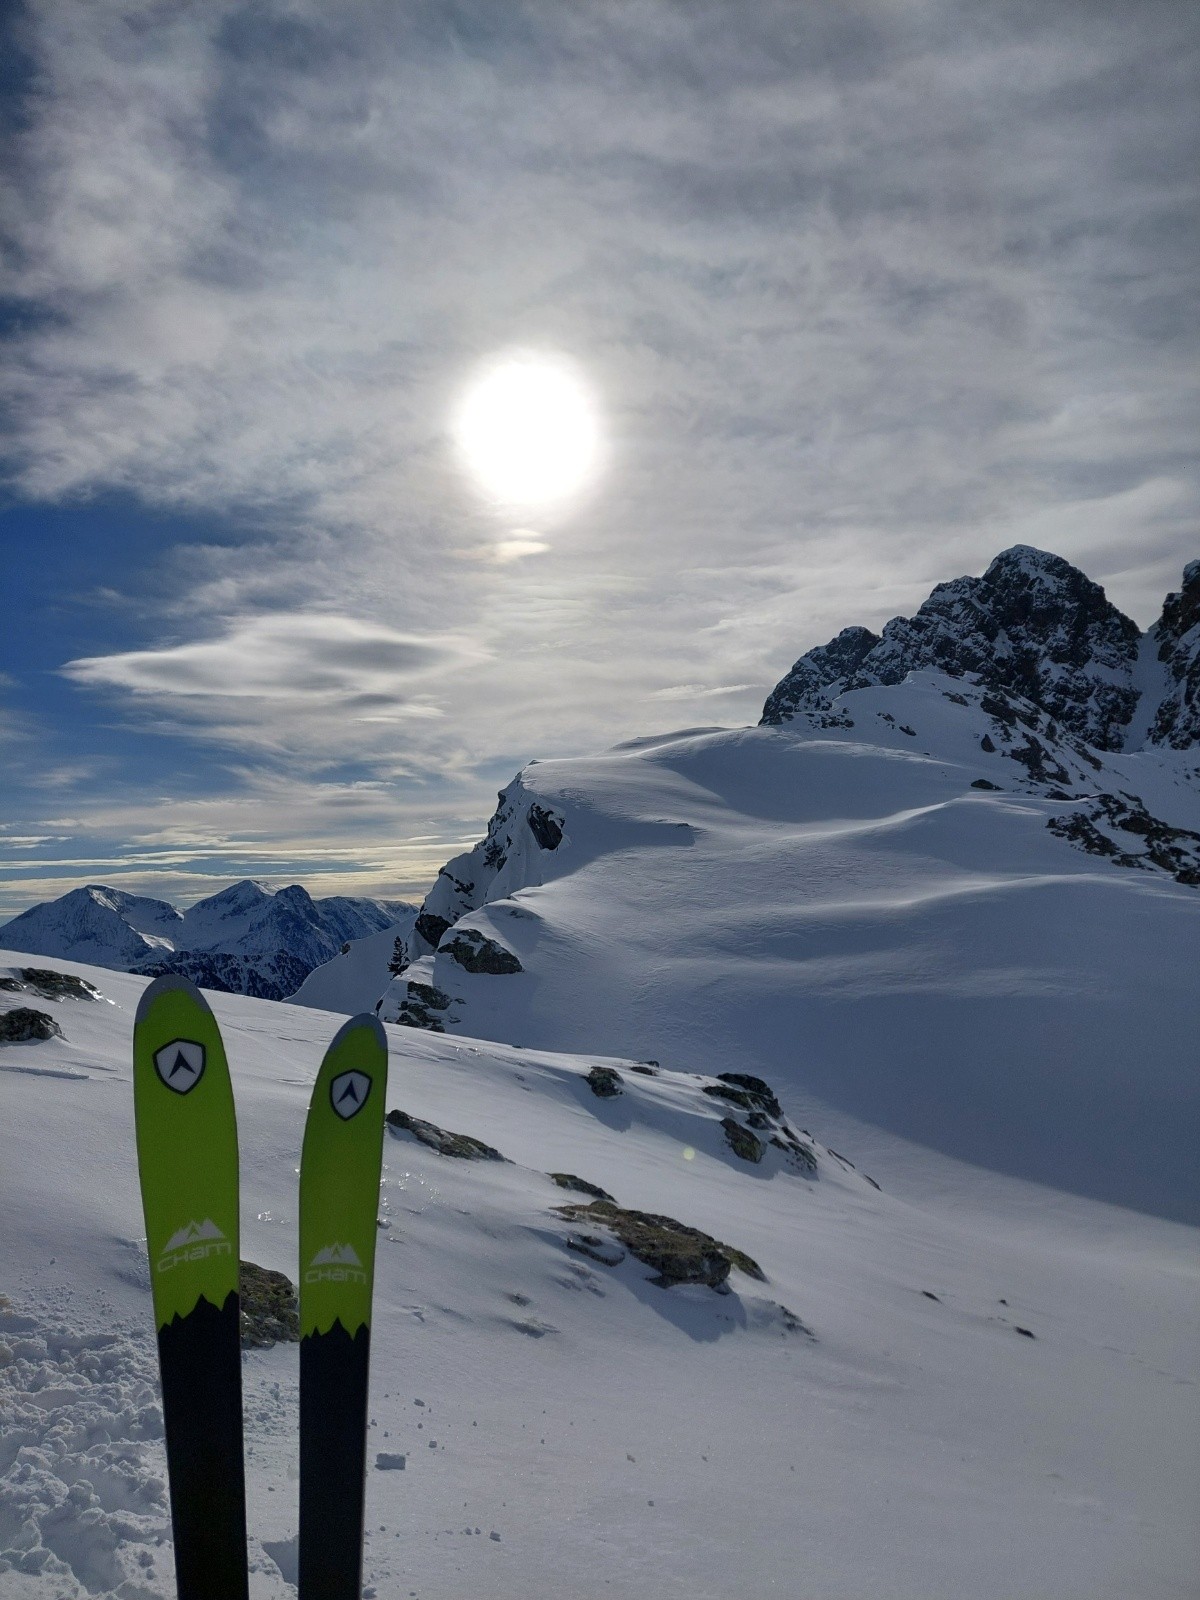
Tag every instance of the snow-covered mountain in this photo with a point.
(944, 887)
(246, 939)
(1035, 627)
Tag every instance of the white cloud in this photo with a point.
(288, 656)
(865, 292)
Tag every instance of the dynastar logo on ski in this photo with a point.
(348, 1093)
(193, 1243)
(336, 1263)
(180, 1064)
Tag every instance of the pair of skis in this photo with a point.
(188, 1162)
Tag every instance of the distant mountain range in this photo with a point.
(247, 939)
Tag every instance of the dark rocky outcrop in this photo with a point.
(1177, 636)
(475, 952)
(744, 1090)
(1096, 828)
(799, 1155)
(424, 1006)
(568, 1180)
(546, 828)
(1032, 626)
(22, 1024)
(269, 1306)
(432, 928)
(742, 1142)
(605, 1082)
(461, 1145)
(677, 1253)
(52, 985)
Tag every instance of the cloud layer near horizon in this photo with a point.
(867, 291)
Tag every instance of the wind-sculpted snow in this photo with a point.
(942, 912)
(1032, 626)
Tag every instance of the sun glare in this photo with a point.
(528, 431)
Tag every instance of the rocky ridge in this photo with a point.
(1033, 626)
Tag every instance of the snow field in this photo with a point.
(618, 1438)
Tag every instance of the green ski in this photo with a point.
(188, 1163)
(339, 1204)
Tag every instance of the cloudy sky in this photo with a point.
(851, 295)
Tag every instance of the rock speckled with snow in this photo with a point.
(1033, 626)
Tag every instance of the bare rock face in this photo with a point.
(1032, 626)
(270, 1310)
(604, 1082)
(461, 1145)
(1177, 722)
(22, 1024)
(677, 1253)
(475, 952)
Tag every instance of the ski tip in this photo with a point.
(364, 1019)
(169, 982)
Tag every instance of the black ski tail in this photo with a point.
(333, 1462)
(201, 1364)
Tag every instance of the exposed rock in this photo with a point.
(983, 783)
(1177, 635)
(475, 952)
(799, 1155)
(604, 1082)
(546, 828)
(1032, 625)
(445, 1143)
(1173, 850)
(678, 1254)
(23, 1023)
(53, 985)
(753, 1094)
(568, 1180)
(270, 1310)
(741, 1141)
(432, 928)
(422, 1007)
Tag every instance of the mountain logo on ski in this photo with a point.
(193, 1242)
(336, 1263)
(348, 1093)
(180, 1064)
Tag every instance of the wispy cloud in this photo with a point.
(865, 292)
(285, 657)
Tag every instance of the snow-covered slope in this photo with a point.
(354, 979)
(933, 903)
(246, 939)
(953, 1384)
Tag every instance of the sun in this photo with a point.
(528, 431)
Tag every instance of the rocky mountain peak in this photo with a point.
(1033, 625)
(1177, 636)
